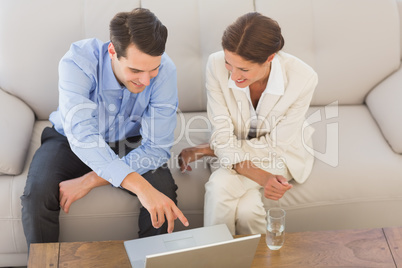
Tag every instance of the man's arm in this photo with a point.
(157, 204)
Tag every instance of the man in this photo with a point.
(112, 96)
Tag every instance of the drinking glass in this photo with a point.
(275, 228)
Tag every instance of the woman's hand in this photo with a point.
(192, 154)
(275, 186)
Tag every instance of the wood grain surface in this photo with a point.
(344, 248)
(93, 254)
(394, 238)
(341, 248)
(44, 255)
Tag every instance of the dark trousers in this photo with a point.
(53, 163)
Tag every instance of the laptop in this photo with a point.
(211, 246)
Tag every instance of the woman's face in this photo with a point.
(244, 72)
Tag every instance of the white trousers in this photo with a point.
(236, 201)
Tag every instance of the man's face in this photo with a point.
(136, 69)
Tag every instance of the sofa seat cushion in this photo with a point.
(104, 208)
(12, 239)
(365, 177)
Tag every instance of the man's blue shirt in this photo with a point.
(95, 109)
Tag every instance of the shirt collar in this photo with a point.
(275, 85)
(109, 79)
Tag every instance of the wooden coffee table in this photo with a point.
(342, 248)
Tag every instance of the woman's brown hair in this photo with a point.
(254, 37)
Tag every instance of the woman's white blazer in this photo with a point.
(283, 136)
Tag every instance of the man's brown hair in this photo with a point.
(139, 27)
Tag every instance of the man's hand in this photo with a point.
(74, 189)
(192, 154)
(158, 205)
(275, 186)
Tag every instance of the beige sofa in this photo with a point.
(354, 45)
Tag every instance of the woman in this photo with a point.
(257, 99)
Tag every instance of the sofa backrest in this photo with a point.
(34, 35)
(352, 44)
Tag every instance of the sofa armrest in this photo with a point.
(385, 104)
(16, 125)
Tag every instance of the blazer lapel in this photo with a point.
(268, 102)
(242, 107)
(267, 118)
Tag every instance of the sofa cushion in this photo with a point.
(7, 244)
(385, 103)
(104, 208)
(351, 54)
(16, 123)
(339, 193)
(36, 82)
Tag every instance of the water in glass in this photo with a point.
(275, 235)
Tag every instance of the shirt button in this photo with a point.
(110, 180)
(112, 107)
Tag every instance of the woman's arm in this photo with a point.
(275, 186)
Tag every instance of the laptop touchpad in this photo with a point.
(180, 243)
